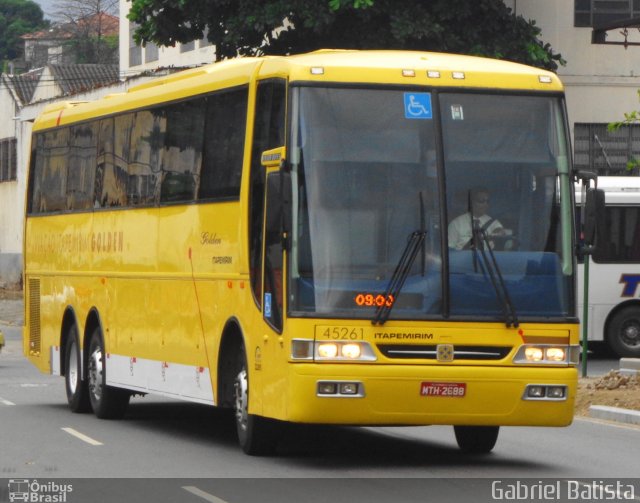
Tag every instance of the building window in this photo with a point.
(8, 162)
(150, 52)
(606, 152)
(589, 13)
(189, 46)
(135, 51)
(204, 41)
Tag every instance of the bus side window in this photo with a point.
(226, 120)
(181, 154)
(268, 133)
(105, 158)
(273, 252)
(54, 173)
(81, 167)
(113, 161)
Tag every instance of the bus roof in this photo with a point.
(340, 66)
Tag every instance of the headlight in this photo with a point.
(547, 354)
(304, 349)
(555, 354)
(327, 350)
(533, 354)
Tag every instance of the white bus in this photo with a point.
(614, 269)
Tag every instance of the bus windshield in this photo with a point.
(367, 179)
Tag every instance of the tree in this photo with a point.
(17, 17)
(91, 28)
(630, 119)
(251, 27)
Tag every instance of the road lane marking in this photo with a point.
(204, 495)
(5, 402)
(82, 436)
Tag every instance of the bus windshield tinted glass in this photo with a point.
(506, 176)
(365, 180)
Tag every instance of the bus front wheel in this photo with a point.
(623, 334)
(257, 435)
(107, 402)
(75, 386)
(476, 439)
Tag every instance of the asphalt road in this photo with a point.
(167, 450)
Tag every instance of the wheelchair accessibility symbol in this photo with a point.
(417, 106)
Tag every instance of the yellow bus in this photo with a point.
(273, 235)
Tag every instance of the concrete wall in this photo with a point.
(10, 208)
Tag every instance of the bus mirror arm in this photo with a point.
(586, 176)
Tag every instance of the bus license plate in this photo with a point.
(443, 389)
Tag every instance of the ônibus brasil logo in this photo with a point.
(32, 491)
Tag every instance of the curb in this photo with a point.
(614, 414)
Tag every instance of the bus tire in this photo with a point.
(623, 332)
(257, 436)
(76, 388)
(107, 402)
(476, 439)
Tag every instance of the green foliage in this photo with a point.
(630, 118)
(17, 17)
(103, 50)
(250, 27)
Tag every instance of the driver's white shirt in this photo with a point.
(460, 229)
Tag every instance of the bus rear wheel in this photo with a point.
(257, 436)
(75, 386)
(476, 439)
(107, 402)
(623, 333)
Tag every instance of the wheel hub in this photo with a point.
(241, 399)
(72, 371)
(631, 333)
(95, 374)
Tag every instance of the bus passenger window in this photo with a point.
(145, 157)
(105, 159)
(53, 181)
(226, 121)
(113, 162)
(81, 168)
(182, 152)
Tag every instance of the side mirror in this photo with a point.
(594, 223)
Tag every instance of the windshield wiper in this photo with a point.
(414, 244)
(482, 244)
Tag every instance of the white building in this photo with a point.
(135, 59)
(601, 80)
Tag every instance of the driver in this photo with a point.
(460, 228)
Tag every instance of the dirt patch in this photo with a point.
(612, 389)
(10, 294)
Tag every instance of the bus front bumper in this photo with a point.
(434, 394)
